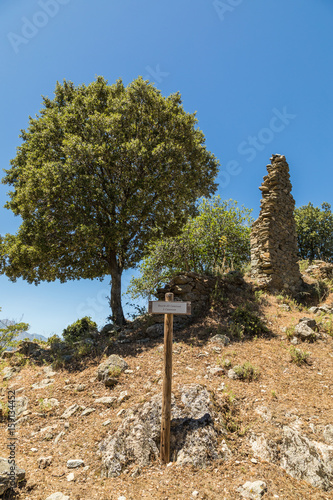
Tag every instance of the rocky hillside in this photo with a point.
(252, 405)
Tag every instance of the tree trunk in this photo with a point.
(117, 311)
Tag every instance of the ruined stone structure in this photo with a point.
(273, 238)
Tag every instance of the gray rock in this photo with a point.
(21, 405)
(74, 464)
(220, 339)
(87, 411)
(305, 332)
(193, 436)
(9, 372)
(232, 374)
(216, 370)
(80, 387)
(253, 491)
(314, 309)
(328, 434)
(8, 476)
(309, 322)
(71, 410)
(44, 462)
(50, 403)
(110, 369)
(43, 383)
(57, 496)
(155, 331)
(302, 458)
(106, 400)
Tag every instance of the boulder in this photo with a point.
(193, 435)
(253, 491)
(9, 477)
(110, 369)
(304, 332)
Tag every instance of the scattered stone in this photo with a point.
(328, 434)
(110, 369)
(107, 422)
(57, 496)
(49, 372)
(193, 436)
(21, 405)
(274, 258)
(220, 339)
(74, 464)
(106, 400)
(216, 370)
(59, 436)
(195, 494)
(43, 383)
(123, 396)
(69, 412)
(44, 462)
(232, 374)
(305, 332)
(70, 476)
(87, 411)
(9, 372)
(6, 475)
(253, 491)
(314, 309)
(48, 432)
(50, 403)
(80, 387)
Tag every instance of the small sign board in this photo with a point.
(161, 307)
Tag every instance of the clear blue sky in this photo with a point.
(258, 73)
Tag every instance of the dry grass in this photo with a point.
(285, 389)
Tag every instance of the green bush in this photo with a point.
(246, 371)
(81, 329)
(298, 356)
(246, 322)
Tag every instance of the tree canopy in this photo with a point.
(101, 171)
(218, 238)
(314, 227)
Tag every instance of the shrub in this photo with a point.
(79, 330)
(298, 356)
(246, 322)
(246, 371)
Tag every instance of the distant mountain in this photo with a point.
(22, 335)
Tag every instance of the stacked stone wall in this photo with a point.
(274, 259)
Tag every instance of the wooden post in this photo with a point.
(167, 382)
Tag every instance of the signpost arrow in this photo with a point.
(168, 308)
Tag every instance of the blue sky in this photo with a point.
(258, 73)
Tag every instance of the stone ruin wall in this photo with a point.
(274, 259)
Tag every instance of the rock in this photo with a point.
(48, 432)
(305, 332)
(43, 383)
(71, 410)
(232, 374)
(74, 464)
(49, 372)
(220, 339)
(50, 403)
(216, 370)
(57, 496)
(302, 458)
(155, 331)
(193, 436)
(253, 491)
(309, 322)
(80, 387)
(44, 462)
(123, 396)
(9, 372)
(9, 477)
(110, 369)
(87, 411)
(314, 309)
(328, 434)
(106, 400)
(59, 436)
(70, 476)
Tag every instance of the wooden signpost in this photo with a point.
(168, 308)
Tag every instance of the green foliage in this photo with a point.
(246, 322)
(314, 227)
(81, 329)
(8, 335)
(218, 238)
(101, 171)
(298, 356)
(54, 339)
(246, 371)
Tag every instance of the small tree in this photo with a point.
(217, 239)
(315, 232)
(9, 333)
(102, 170)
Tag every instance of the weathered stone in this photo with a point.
(8, 372)
(232, 374)
(193, 436)
(155, 331)
(87, 411)
(274, 256)
(220, 339)
(253, 491)
(57, 496)
(110, 369)
(305, 332)
(43, 383)
(106, 400)
(71, 410)
(6, 477)
(74, 464)
(44, 462)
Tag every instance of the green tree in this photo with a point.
(9, 333)
(101, 170)
(216, 239)
(314, 227)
